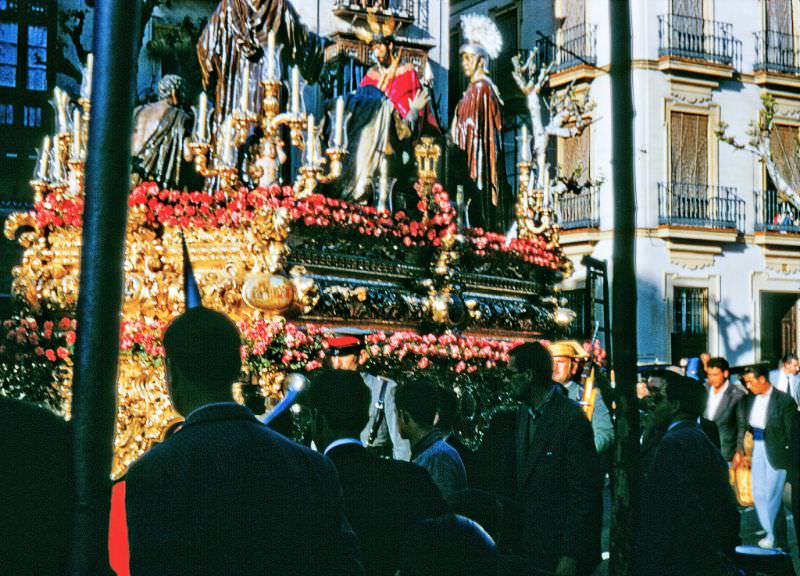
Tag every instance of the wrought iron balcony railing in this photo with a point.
(698, 39)
(400, 8)
(772, 215)
(579, 210)
(776, 52)
(700, 206)
(569, 47)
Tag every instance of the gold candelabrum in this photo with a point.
(537, 207)
(427, 153)
(220, 160)
(60, 166)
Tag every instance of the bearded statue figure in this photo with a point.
(476, 151)
(160, 136)
(388, 112)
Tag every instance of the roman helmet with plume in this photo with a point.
(482, 36)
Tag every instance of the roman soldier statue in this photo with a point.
(476, 131)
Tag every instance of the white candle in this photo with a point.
(339, 133)
(87, 78)
(227, 148)
(44, 159)
(525, 151)
(546, 189)
(61, 106)
(57, 159)
(310, 153)
(76, 134)
(244, 103)
(295, 90)
(202, 117)
(271, 55)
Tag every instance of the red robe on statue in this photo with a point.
(403, 87)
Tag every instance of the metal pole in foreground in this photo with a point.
(625, 479)
(115, 49)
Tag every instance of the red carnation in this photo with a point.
(50, 354)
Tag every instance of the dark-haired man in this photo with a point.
(417, 404)
(224, 494)
(725, 406)
(383, 498)
(542, 456)
(772, 416)
(689, 523)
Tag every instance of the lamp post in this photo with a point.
(116, 45)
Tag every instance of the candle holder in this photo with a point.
(312, 175)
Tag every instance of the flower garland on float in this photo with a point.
(208, 210)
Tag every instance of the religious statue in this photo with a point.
(238, 30)
(160, 135)
(388, 111)
(477, 162)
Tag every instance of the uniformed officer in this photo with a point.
(382, 434)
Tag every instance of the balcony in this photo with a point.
(572, 51)
(698, 45)
(777, 228)
(692, 205)
(400, 9)
(772, 215)
(576, 211)
(777, 60)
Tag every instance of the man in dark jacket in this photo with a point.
(689, 523)
(542, 456)
(383, 498)
(35, 490)
(224, 494)
(725, 406)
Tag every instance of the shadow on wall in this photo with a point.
(735, 330)
(653, 333)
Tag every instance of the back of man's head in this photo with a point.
(342, 398)
(689, 393)
(420, 399)
(536, 358)
(204, 346)
(449, 546)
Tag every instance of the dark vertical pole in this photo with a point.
(625, 485)
(115, 46)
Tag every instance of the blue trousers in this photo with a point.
(767, 488)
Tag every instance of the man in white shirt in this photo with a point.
(771, 416)
(725, 407)
(786, 378)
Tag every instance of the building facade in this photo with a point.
(718, 252)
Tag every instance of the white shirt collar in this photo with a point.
(341, 442)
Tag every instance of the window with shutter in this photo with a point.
(780, 32)
(689, 153)
(574, 157)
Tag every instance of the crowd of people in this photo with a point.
(386, 488)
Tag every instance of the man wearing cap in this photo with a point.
(566, 362)
(382, 433)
